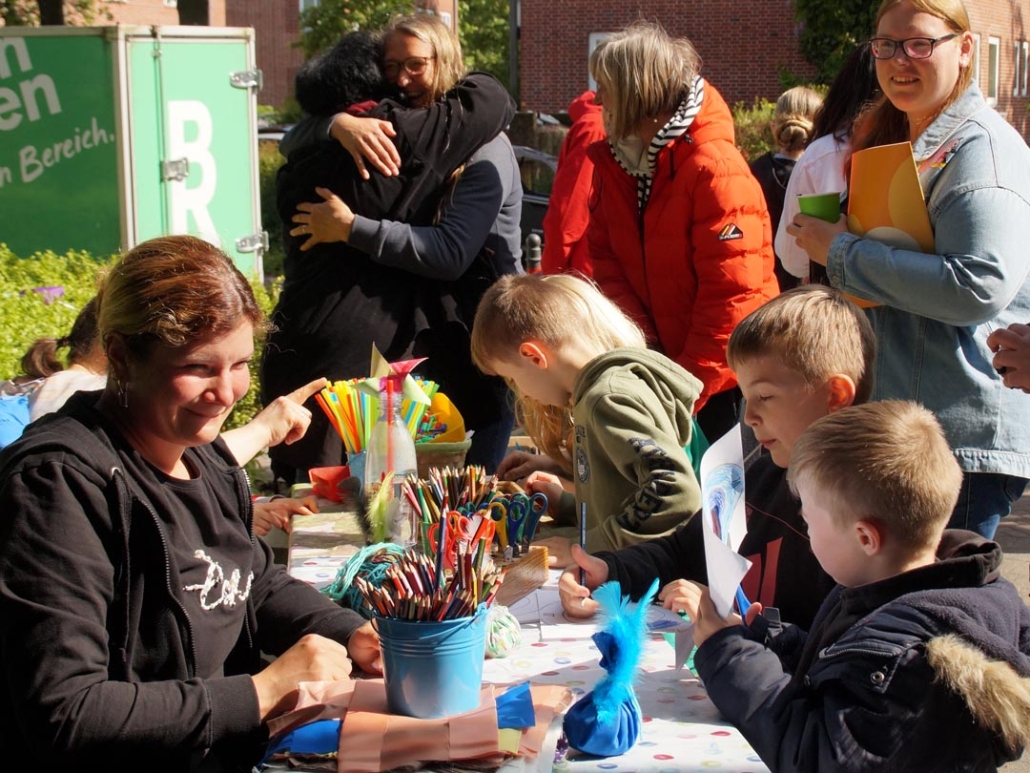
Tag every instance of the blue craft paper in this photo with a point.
(515, 707)
(321, 737)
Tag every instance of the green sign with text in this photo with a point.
(58, 150)
(184, 99)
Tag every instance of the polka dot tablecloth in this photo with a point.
(682, 730)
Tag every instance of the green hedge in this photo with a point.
(269, 162)
(754, 122)
(753, 127)
(25, 314)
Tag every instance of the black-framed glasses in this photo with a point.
(413, 65)
(914, 48)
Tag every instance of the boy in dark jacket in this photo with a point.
(804, 354)
(920, 657)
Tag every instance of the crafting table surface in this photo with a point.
(320, 544)
(682, 730)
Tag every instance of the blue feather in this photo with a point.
(621, 641)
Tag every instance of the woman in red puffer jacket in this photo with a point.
(679, 233)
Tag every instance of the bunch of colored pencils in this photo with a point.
(353, 412)
(450, 488)
(417, 590)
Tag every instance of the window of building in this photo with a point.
(306, 4)
(976, 58)
(1026, 67)
(993, 67)
(592, 41)
(1016, 69)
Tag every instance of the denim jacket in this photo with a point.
(938, 309)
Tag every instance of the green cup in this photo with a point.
(825, 206)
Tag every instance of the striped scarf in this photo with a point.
(681, 120)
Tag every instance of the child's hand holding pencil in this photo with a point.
(578, 580)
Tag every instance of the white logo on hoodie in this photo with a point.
(227, 590)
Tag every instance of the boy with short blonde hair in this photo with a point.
(906, 479)
(920, 657)
(807, 353)
(815, 332)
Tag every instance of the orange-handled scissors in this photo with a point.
(454, 528)
(484, 528)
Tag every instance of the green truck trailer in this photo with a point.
(113, 135)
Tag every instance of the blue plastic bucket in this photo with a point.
(433, 670)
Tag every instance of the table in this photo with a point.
(682, 730)
(320, 544)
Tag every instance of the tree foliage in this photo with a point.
(74, 13)
(323, 24)
(482, 27)
(830, 29)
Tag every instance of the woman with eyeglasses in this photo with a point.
(405, 253)
(937, 310)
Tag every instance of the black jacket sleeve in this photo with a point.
(288, 608)
(677, 556)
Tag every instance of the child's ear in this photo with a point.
(841, 391)
(870, 537)
(535, 352)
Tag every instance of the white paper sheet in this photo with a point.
(724, 520)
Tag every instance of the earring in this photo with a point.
(123, 394)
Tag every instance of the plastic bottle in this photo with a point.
(392, 449)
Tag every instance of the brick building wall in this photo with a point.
(150, 12)
(743, 46)
(276, 26)
(1008, 22)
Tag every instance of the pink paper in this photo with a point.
(373, 740)
(315, 701)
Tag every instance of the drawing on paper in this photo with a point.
(723, 486)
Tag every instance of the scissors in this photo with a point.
(536, 505)
(454, 528)
(518, 510)
(497, 509)
(483, 528)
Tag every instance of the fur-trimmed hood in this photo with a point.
(997, 696)
(980, 647)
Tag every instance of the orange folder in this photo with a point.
(885, 200)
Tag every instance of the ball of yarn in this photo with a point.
(503, 632)
(370, 563)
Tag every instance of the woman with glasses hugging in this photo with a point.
(936, 311)
(421, 257)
